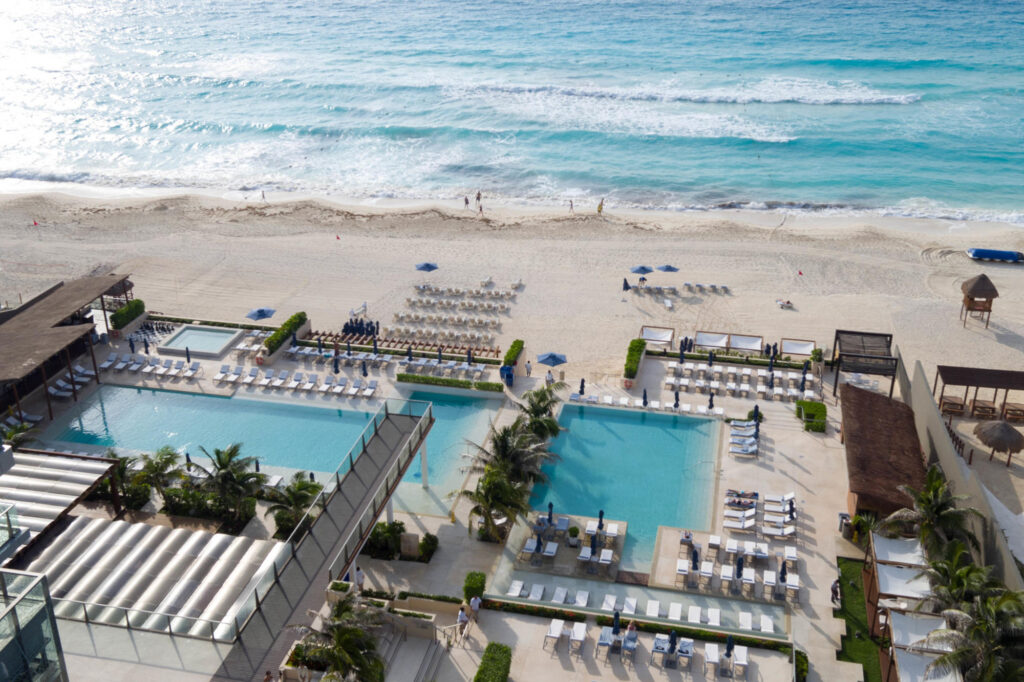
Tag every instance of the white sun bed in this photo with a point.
(253, 373)
(281, 378)
(582, 598)
(536, 592)
(653, 608)
(609, 602)
(109, 362)
(675, 611)
(559, 596)
(766, 624)
(715, 617)
(779, 499)
(192, 370)
(629, 606)
(746, 526)
(515, 589)
(746, 620)
(693, 615)
(294, 383)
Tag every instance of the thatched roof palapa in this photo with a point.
(979, 287)
(882, 449)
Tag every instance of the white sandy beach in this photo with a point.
(215, 259)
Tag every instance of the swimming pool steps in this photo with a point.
(153, 577)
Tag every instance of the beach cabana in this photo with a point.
(722, 341)
(912, 666)
(746, 343)
(712, 340)
(797, 347)
(979, 293)
(657, 336)
(863, 353)
(907, 633)
(892, 578)
(978, 378)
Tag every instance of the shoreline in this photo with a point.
(506, 208)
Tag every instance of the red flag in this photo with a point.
(800, 272)
(337, 236)
(35, 224)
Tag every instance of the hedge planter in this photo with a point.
(291, 673)
(280, 352)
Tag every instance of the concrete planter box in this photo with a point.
(334, 596)
(129, 328)
(291, 674)
(279, 353)
(413, 626)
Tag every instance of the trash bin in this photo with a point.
(561, 375)
(845, 527)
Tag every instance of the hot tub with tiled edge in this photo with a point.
(201, 341)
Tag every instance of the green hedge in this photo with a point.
(453, 383)
(531, 610)
(432, 597)
(495, 664)
(813, 414)
(284, 332)
(474, 585)
(513, 352)
(120, 318)
(633, 355)
(803, 666)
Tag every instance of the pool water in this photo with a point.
(201, 340)
(644, 468)
(457, 419)
(280, 434)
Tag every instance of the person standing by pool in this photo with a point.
(474, 606)
(529, 368)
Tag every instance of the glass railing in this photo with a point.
(9, 528)
(27, 625)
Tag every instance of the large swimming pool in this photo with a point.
(644, 468)
(281, 434)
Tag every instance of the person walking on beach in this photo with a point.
(835, 591)
(571, 209)
(478, 197)
(467, 202)
(474, 606)
(600, 206)
(269, 677)
(481, 209)
(529, 368)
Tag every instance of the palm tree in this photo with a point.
(344, 642)
(539, 407)
(986, 639)
(231, 476)
(513, 449)
(159, 470)
(955, 579)
(289, 505)
(935, 515)
(496, 496)
(17, 436)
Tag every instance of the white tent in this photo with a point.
(796, 347)
(907, 630)
(902, 551)
(913, 667)
(900, 581)
(711, 340)
(749, 343)
(657, 335)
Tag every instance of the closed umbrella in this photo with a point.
(757, 430)
(783, 572)
(711, 358)
(803, 383)
(695, 558)
(645, 397)
(640, 270)
(188, 458)
(583, 385)
(374, 345)
(188, 356)
(348, 348)
(551, 512)
(771, 363)
(319, 345)
(757, 414)
(775, 349)
(682, 350)
(767, 349)
(408, 353)
(673, 640)
(131, 345)
(257, 466)
(145, 344)
(625, 284)
(739, 566)
(540, 544)
(600, 519)
(792, 510)
(295, 339)
(1001, 437)
(615, 623)
(771, 380)
(551, 359)
(807, 366)
(711, 401)
(593, 544)
(337, 364)
(365, 373)
(729, 646)
(676, 405)
(469, 356)
(439, 358)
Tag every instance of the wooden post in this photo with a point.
(17, 401)
(46, 391)
(71, 373)
(115, 492)
(92, 354)
(1009, 456)
(970, 459)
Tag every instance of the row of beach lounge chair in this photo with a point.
(130, 362)
(286, 381)
(435, 366)
(456, 320)
(626, 401)
(430, 289)
(312, 354)
(482, 306)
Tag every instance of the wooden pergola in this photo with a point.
(978, 378)
(864, 353)
(979, 292)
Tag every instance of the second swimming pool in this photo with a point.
(644, 468)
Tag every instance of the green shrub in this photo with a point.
(136, 496)
(378, 594)
(817, 355)
(433, 597)
(120, 318)
(513, 352)
(428, 545)
(197, 503)
(340, 586)
(813, 414)
(802, 665)
(433, 381)
(495, 386)
(633, 355)
(409, 614)
(385, 540)
(301, 657)
(473, 585)
(495, 664)
(760, 416)
(284, 332)
(531, 610)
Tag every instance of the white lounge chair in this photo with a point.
(711, 657)
(609, 602)
(582, 598)
(311, 382)
(295, 382)
(370, 389)
(58, 394)
(109, 362)
(776, 519)
(339, 385)
(536, 592)
(559, 596)
(550, 549)
(653, 608)
(675, 611)
(327, 384)
(555, 631)
(253, 374)
(137, 364)
(125, 361)
(740, 513)
(578, 636)
(746, 620)
(515, 589)
(780, 499)
(268, 377)
(790, 553)
(192, 370)
(743, 449)
(281, 378)
(771, 531)
(606, 557)
(693, 615)
(715, 617)
(682, 567)
(355, 387)
(236, 374)
(154, 365)
(745, 526)
(766, 624)
(629, 606)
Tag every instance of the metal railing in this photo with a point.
(9, 527)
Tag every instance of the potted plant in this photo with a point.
(574, 536)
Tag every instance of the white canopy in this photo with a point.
(711, 340)
(907, 630)
(912, 667)
(753, 343)
(660, 335)
(904, 551)
(899, 581)
(796, 347)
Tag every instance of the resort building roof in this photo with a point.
(882, 450)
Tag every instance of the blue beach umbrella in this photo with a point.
(469, 356)
(551, 511)
(783, 571)
(682, 350)
(426, 267)
(295, 339)
(260, 313)
(365, 373)
(739, 566)
(729, 646)
(188, 356)
(640, 270)
(131, 345)
(645, 397)
(771, 380)
(807, 366)
(145, 344)
(600, 519)
(615, 623)
(668, 268)
(677, 401)
(625, 284)
(540, 543)
(337, 364)
(551, 359)
(593, 544)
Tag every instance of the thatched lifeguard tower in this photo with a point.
(979, 292)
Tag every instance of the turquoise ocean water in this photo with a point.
(896, 107)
